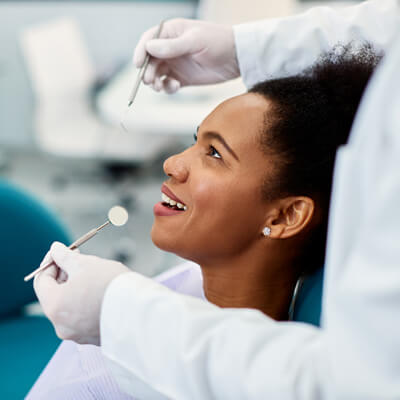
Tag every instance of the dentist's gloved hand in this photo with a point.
(72, 291)
(188, 52)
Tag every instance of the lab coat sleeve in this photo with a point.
(284, 46)
(163, 345)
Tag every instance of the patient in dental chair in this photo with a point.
(247, 204)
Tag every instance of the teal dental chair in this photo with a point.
(308, 302)
(27, 229)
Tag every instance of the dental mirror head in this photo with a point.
(118, 216)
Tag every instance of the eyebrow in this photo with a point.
(217, 136)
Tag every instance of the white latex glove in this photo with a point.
(72, 300)
(188, 52)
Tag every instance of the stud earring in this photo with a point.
(266, 231)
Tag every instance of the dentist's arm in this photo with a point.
(164, 345)
(194, 52)
(286, 46)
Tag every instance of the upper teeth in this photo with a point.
(171, 202)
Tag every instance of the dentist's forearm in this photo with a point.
(164, 345)
(285, 46)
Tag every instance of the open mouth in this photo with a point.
(168, 202)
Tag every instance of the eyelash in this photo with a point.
(212, 151)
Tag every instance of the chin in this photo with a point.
(167, 242)
(164, 241)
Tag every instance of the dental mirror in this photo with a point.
(117, 216)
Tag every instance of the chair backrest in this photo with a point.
(26, 231)
(308, 302)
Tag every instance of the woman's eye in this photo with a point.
(213, 152)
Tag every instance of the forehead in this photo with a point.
(240, 120)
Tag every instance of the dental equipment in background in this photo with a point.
(140, 77)
(117, 216)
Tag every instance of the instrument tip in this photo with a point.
(123, 127)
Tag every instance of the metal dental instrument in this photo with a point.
(141, 75)
(117, 216)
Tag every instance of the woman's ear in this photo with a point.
(292, 216)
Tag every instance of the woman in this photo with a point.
(248, 202)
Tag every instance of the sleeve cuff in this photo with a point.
(251, 41)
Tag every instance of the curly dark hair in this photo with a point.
(311, 116)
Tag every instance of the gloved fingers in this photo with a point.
(171, 29)
(165, 49)
(62, 276)
(163, 70)
(49, 292)
(45, 284)
(160, 76)
(151, 71)
(164, 81)
(157, 85)
(47, 259)
(171, 85)
(48, 273)
(140, 50)
(63, 257)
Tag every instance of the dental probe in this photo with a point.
(117, 216)
(140, 76)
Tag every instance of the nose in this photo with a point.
(176, 167)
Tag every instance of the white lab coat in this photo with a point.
(164, 345)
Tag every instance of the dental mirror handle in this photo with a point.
(82, 239)
(86, 237)
(73, 246)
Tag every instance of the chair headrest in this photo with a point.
(26, 232)
(307, 307)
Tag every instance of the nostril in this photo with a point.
(175, 167)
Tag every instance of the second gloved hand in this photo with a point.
(188, 52)
(73, 303)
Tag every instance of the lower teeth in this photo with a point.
(173, 207)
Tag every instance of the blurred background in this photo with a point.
(65, 78)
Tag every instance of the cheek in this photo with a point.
(223, 219)
(207, 192)
(228, 213)
(213, 199)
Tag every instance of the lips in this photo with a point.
(170, 204)
(170, 194)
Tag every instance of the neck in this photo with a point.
(250, 283)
